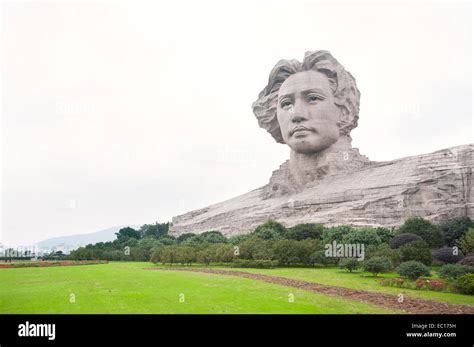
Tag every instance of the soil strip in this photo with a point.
(390, 301)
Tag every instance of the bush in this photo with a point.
(453, 271)
(336, 233)
(165, 254)
(208, 236)
(428, 231)
(412, 270)
(305, 231)
(166, 240)
(466, 243)
(185, 236)
(213, 237)
(448, 255)
(319, 257)
(385, 234)
(155, 256)
(237, 239)
(294, 252)
(366, 236)
(223, 252)
(465, 284)
(455, 229)
(377, 265)
(270, 230)
(205, 256)
(417, 251)
(350, 264)
(185, 255)
(258, 263)
(467, 261)
(402, 239)
(256, 248)
(383, 250)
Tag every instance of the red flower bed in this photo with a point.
(430, 284)
(436, 285)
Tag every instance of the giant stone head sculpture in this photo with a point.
(308, 105)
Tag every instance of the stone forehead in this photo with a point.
(303, 80)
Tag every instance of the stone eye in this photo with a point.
(285, 103)
(313, 97)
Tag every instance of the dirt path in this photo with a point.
(409, 304)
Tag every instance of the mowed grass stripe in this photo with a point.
(129, 288)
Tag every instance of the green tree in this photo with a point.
(336, 233)
(349, 264)
(305, 231)
(366, 236)
(238, 239)
(169, 254)
(270, 230)
(456, 228)
(167, 240)
(385, 234)
(294, 252)
(223, 252)
(377, 265)
(412, 269)
(205, 255)
(417, 251)
(383, 250)
(156, 230)
(184, 254)
(213, 237)
(428, 231)
(319, 257)
(142, 250)
(256, 249)
(127, 233)
(466, 243)
(183, 237)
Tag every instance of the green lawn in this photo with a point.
(122, 287)
(360, 280)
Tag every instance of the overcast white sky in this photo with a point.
(133, 112)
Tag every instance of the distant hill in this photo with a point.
(75, 241)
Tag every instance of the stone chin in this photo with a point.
(310, 142)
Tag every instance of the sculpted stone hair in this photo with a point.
(342, 83)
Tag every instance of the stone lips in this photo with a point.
(436, 186)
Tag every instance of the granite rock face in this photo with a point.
(435, 186)
(312, 106)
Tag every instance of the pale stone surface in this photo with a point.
(436, 186)
(312, 107)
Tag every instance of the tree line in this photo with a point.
(272, 244)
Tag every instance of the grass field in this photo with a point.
(127, 287)
(362, 281)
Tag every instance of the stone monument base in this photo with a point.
(435, 186)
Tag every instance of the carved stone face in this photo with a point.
(307, 113)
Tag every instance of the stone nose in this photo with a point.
(299, 112)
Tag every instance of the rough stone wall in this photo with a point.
(436, 186)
